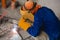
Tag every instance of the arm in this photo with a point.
(35, 29)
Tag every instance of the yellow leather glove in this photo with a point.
(26, 14)
(22, 22)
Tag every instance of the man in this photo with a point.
(46, 20)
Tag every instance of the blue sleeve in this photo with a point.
(35, 29)
(44, 16)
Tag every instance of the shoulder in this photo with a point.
(41, 11)
(44, 8)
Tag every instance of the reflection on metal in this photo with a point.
(15, 35)
(14, 30)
